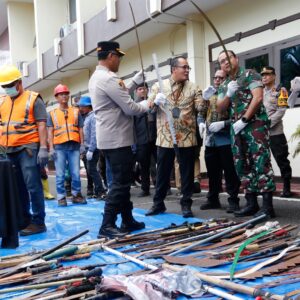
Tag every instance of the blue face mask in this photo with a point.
(11, 91)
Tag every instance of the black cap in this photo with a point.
(107, 46)
(143, 84)
(268, 70)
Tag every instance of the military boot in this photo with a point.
(128, 222)
(251, 207)
(233, 205)
(267, 207)
(286, 192)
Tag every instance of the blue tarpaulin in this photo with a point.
(65, 222)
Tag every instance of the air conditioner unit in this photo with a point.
(66, 29)
(155, 6)
(23, 67)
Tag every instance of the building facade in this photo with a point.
(54, 41)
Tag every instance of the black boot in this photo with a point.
(251, 207)
(128, 222)
(286, 192)
(233, 205)
(267, 207)
(108, 227)
(210, 204)
(187, 211)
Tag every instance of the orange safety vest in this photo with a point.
(17, 118)
(65, 125)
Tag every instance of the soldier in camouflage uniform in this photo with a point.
(242, 91)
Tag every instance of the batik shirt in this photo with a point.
(183, 102)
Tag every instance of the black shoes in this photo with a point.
(210, 205)
(247, 211)
(286, 193)
(143, 194)
(78, 199)
(111, 232)
(270, 214)
(155, 210)
(131, 226)
(101, 196)
(186, 211)
(33, 229)
(232, 208)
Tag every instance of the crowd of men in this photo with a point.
(241, 114)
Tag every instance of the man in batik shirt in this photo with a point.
(182, 99)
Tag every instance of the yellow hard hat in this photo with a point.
(9, 74)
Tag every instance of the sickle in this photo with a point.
(138, 41)
(215, 31)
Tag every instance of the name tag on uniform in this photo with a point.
(175, 112)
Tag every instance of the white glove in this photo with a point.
(144, 104)
(89, 155)
(202, 127)
(138, 78)
(216, 126)
(208, 92)
(232, 88)
(160, 99)
(239, 126)
(295, 84)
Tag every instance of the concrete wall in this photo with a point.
(4, 40)
(165, 45)
(21, 31)
(242, 15)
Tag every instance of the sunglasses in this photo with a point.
(218, 77)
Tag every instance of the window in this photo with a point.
(257, 59)
(289, 64)
(257, 62)
(72, 11)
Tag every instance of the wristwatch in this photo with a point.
(245, 120)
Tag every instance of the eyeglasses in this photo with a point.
(218, 78)
(223, 61)
(185, 67)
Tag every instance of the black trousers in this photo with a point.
(165, 163)
(280, 151)
(93, 172)
(219, 159)
(143, 156)
(90, 186)
(121, 162)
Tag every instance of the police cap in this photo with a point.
(109, 46)
(268, 70)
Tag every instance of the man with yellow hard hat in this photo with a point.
(24, 136)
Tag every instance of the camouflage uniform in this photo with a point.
(250, 147)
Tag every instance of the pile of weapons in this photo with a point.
(272, 249)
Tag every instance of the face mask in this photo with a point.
(12, 91)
